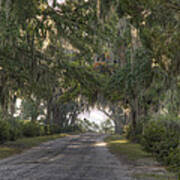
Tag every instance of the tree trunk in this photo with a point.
(118, 126)
(48, 115)
(4, 105)
(13, 105)
(133, 120)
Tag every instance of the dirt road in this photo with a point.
(78, 157)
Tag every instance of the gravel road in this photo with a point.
(77, 157)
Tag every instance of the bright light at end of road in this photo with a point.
(94, 116)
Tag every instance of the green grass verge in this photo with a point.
(144, 176)
(15, 147)
(133, 154)
(122, 147)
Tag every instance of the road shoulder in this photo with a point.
(16, 147)
(141, 164)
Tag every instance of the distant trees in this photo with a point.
(107, 127)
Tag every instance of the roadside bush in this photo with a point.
(161, 137)
(54, 129)
(15, 133)
(69, 128)
(78, 128)
(173, 160)
(134, 136)
(4, 131)
(16, 129)
(31, 129)
(42, 130)
(72, 128)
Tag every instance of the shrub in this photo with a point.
(42, 130)
(160, 138)
(134, 136)
(173, 160)
(72, 128)
(15, 133)
(16, 128)
(4, 131)
(31, 129)
(69, 128)
(78, 128)
(54, 129)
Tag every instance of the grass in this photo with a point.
(8, 151)
(15, 147)
(121, 146)
(133, 154)
(142, 176)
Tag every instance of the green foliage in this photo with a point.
(4, 131)
(31, 129)
(87, 125)
(133, 79)
(107, 127)
(160, 137)
(31, 109)
(11, 129)
(54, 129)
(72, 128)
(134, 136)
(16, 129)
(15, 133)
(173, 160)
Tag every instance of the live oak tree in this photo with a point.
(151, 69)
(35, 57)
(47, 52)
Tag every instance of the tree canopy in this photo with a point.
(48, 51)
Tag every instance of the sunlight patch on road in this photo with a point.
(57, 157)
(100, 144)
(122, 141)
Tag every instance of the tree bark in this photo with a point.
(133, 121)
(13, 105)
